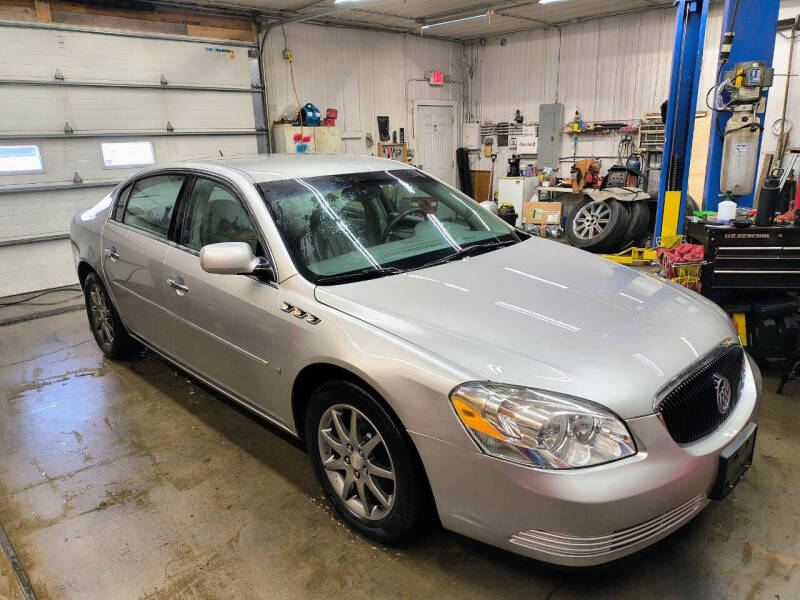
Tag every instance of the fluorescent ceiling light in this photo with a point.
(461, 20)
(347, 1)
(545, 1)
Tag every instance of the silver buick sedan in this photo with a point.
(435, 360)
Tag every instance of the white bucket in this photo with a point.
(726, 211)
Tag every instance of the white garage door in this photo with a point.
(69, 98)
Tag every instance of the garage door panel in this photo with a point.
(103, 112)
(36, 214)
(204, 111)
(63, 158)
(36, 54)
(193, 148)
(27, 215)
(25, 109)
(36, 266)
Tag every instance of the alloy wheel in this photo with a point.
(102, 320)
(591, 220)
(357, 462)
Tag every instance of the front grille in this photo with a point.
(690, 410)
(584, 547)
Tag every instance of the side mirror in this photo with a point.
(234, 258)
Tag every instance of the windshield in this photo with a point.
(376, 223)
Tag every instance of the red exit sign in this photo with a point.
(436, 78)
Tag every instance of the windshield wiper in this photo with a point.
(467, 251)
(374, 272)
(481, 248)
(361, 275)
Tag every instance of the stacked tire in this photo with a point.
(607, 226)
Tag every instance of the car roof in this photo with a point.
(271, 167)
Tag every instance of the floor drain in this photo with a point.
(41, 315)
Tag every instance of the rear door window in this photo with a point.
(152, 202)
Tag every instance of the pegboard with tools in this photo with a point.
(393, 151)
(514, 136)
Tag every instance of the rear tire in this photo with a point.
(107, 328)
(597, 225)
(365, 463)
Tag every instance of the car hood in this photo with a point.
(548, 316)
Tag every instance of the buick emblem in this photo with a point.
(723, 390)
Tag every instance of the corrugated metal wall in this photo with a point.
(789, 9)
(362, 74)
(613, 68)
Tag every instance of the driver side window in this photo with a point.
(215, 214)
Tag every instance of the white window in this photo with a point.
(20, 159)
(127, 154)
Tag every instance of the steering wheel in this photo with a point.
(393, 223)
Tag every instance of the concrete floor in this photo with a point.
(129, 480)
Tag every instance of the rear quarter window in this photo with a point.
(119, 205)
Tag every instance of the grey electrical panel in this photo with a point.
(551, 123)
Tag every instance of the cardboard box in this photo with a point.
(541, 213)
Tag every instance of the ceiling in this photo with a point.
(491, 17)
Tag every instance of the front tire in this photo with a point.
(107, 328)
(365, 463)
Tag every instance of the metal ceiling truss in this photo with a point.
(328, 15)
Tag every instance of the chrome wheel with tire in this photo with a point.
(357, 462)
(366, 462)
(100, 314)
(591, 220)
(107, 328)
(597, 225)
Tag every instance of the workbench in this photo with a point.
(551, 192)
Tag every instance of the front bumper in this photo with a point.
(588, 516)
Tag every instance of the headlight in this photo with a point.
(538, 428)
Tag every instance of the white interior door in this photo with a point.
(435, 141)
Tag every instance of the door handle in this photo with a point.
(111, 253)
(180, 288)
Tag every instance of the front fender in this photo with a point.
(414, 382)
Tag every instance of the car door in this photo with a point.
(134, 243)
(222, 326)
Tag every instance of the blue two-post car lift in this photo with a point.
(753, 22)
